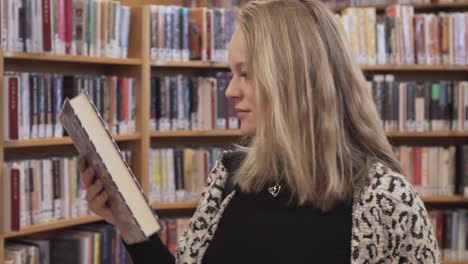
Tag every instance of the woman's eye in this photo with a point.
(243, 75)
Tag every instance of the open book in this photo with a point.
(135, 218)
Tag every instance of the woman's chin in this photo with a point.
(247, 130)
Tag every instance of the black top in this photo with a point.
(260, 228)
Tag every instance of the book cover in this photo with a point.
(134, 216)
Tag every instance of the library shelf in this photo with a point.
(189, 205)
(455, 199)
(30, 143)
(71, 58)
(197, 133)
(364, 67)
(190, 64)
(427, 134)
(59, 224)
(426, 6)
(415, 67)
(53, 225)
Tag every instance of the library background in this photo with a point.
(162, 95)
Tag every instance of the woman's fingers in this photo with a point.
(88, 176)
(93, 191)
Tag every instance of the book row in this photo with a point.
(98, 243)
(83, 27)
(191, 103)
(32, 102)
(214, 3)
(369, 3)
(38, 191)
(431, 170)
(179, 174)
(451, 231)
(420, 106)
(181, 33)
(402, 37)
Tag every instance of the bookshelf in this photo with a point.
(419, 7)
(139, 66)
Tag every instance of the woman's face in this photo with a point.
(240, 90)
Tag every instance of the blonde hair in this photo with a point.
(317, 127)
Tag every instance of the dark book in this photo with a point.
(134, 216)
(65, 249)
(461, 180)
(179, 174)
(410, 106)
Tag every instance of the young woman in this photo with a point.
(319, 182)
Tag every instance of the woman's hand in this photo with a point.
(96, 196)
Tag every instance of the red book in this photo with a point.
(125, 95)
(68, 25)
(13, 126)
(196, 30)
(15, 199)
(62, 25)
(46, 30)
(209, 34)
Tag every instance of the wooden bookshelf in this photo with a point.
(54, 225)
(140, 67)
(428, 134)
(421, 7)
(455, 262)
(59, 224)
(60, 141)
(190, 64)
(398, 68)
(190, 205)
(196, 133)
(70, 58)
(392, 68)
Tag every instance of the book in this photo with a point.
(134, 216)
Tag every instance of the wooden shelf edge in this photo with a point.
(454, 262)
(433, 134)
(457, 199)
(196, 133)
(413, 68)
(59, 141)
(190, 64)
(53, 226)
(71, 58)
(189, 205)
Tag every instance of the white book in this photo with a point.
(64, 187)
(36, 195)
(134, 216)
(48, 205)
(24, 195)
(25, 106)
(125, 13)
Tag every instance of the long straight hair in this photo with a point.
(317, 127)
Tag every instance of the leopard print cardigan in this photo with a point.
(390, 222)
